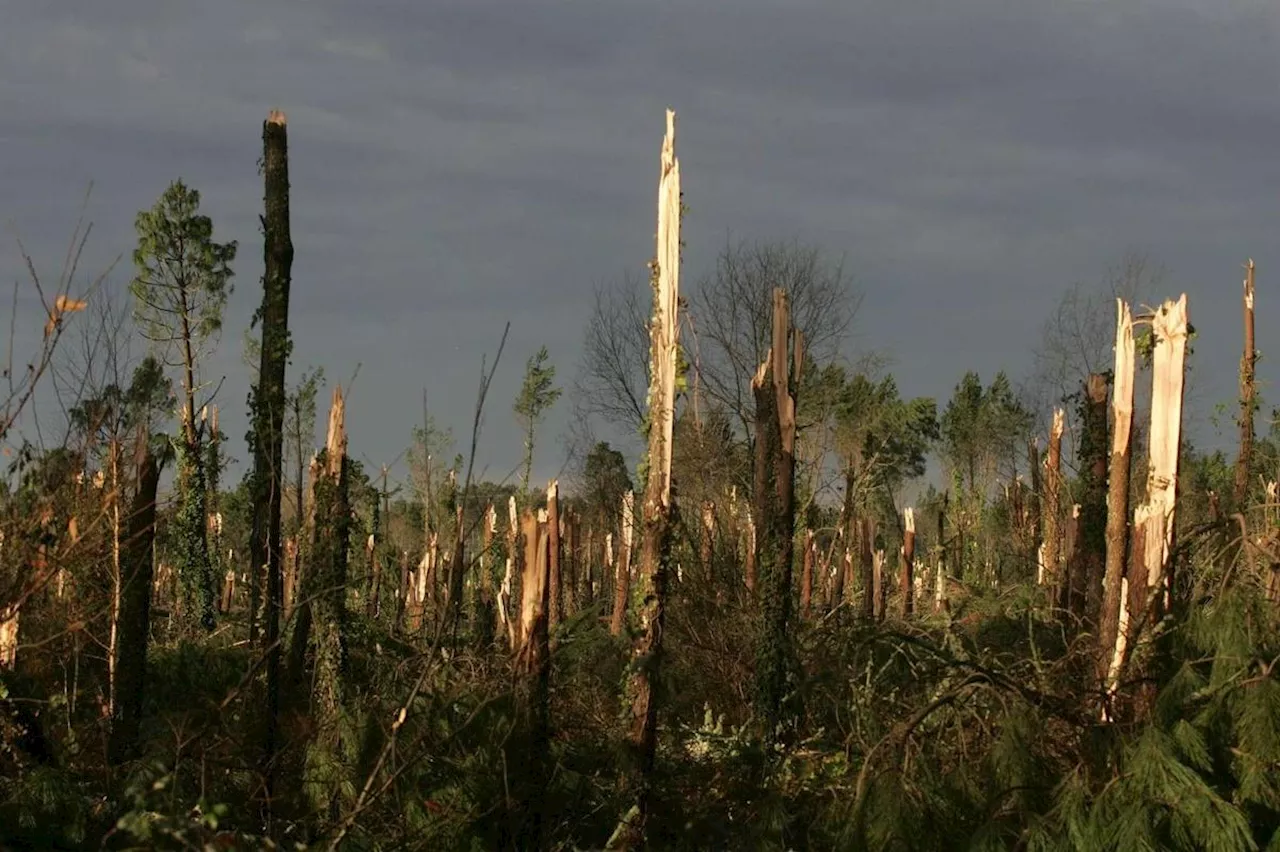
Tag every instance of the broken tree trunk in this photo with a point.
(505, 623)
(1154, 519)
(136, 560)
(555, 591)
(806, 573)
(1248, 364)
(533, 671)
(775, 388)
(908, 561)
(643, 670)
(622, 570)
(1089, 562)
(1051, 511)
(1117, 492)
(268, 416)
(331, 512)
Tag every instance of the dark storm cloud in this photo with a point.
(458, 164)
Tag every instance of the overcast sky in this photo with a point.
(459, 164)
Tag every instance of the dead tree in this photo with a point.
(268, 415)
(1089, 560)
(646, 656)
(526, 830)
(775, 386)
(908, 561)
(136, 559)
(806, 573)
(622, 566)
(555, 592)
(1151, 575)
(1248, 363)
(1050, 573)
(1117, 491)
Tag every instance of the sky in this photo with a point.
(458, 165)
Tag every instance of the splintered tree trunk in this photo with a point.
(1089, 563)
(908, 561)
(1117, 494)
(135, 608)
(331, 533)
(866, 562)
(940, 575)
(1154, 519)
(806, 574)
(1051, 514)
(622, 569)
(750, 568)
(1247, 391)
(646, 656)
(484, 614)
(268, 413)
(555, 611)
(533, 671)
(775, 387)
(505, 623)
(706, 547)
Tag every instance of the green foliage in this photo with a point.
(183, 276)
(538, 394)
(981, 426)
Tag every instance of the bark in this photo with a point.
(135, 608)
(774, 387)
(940, 578)
(555, 580)
(646, 657)
(505, 624)
(268, 413)
(327, 583)
(484, 614)
(1051, 514)
(1155, 517)
(706, 545)
(908, 561)
(1089, 563)
(866, 563)
(527, 829)
(1248, 364)
(1109, 632)
(806, 574)
(622, 571)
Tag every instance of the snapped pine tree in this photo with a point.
(1089, 558)
(267, 406)
(1050, 569)
(775, 388)
(908, 561)
(622, 568)
(1248, 367)
(1117, 492)
(136, 555)
(640, 709)
(1150, 575)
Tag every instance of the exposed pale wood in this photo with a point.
(622, 570)
(1050, 572)
(1156, 515)
(1248, 367)
(908, 554)
(1117, 490)
(643, 669)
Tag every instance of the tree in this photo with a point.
(537, 394)
(730, 314)
(613, 374)
(183, 277)
(267, 403)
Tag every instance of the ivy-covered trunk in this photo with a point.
(135, 607)
(328, 598)
(267, 406)
(774, 387)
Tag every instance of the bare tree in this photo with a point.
(613, 374)
(731, 316)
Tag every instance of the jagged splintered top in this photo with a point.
(276, 117)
